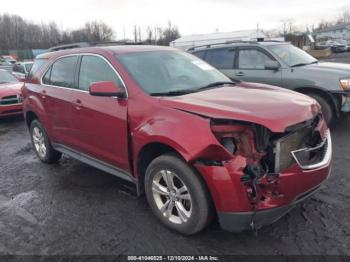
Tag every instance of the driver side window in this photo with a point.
(252, 59)
(95, 69)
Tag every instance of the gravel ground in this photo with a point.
(72, 208)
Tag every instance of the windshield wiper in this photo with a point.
(303, 64)
(189, 91)
(172, 93)
(216, 84)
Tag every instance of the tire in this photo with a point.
(42, 145)
(327, 109)
(194, 201)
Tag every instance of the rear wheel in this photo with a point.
(326, 107)
(176, 195)
(42, 144)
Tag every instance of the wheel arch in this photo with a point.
(30, 116)
(147, 154)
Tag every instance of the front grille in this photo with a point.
(285, 145)
(311, 156)
(10, 100)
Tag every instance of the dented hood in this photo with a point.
(272, 107)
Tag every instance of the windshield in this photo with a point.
(6, 77)
(292, 55)
(159, 72)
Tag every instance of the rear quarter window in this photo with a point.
(38, 63)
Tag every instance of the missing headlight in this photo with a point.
(229, 144)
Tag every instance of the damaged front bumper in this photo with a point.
(241, 221)
(275, 197)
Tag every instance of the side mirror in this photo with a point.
(272, 65)
(107, 88)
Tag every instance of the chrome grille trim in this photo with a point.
(327, 143)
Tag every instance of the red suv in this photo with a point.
(195, 142)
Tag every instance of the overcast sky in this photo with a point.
(191, 16)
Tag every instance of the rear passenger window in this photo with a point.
(221, 58)
(199, 54)
(95, 69)
(62, 72)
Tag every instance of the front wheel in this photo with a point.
(176, 195)
(42, 144)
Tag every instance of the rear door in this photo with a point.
(58, 90)
(222, 59)
(100, 123)
(250, 67)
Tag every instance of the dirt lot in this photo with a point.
(71, 208)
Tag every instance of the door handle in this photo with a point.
(77, 104)
(43, 94)
(240, 74)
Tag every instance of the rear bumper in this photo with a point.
(242, 221)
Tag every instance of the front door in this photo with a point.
(100, 127)
(250, 67)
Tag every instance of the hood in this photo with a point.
(9, 89)
(272, 107)
(342, 70)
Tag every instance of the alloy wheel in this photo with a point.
(172, 197)
(39, 142)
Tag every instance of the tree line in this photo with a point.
(18, 33)
(288, 25)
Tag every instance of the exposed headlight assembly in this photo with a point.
(345, 84)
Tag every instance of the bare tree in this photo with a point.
(344, 16)
(287, 26)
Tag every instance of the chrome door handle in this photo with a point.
(240, 74)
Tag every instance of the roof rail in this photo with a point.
(232, 42)
(221, 43)
(89, 44)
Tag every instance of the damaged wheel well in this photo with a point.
(30, 116)
(146, 155)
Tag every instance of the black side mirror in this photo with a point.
(272, 65)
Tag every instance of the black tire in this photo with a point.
(51, 155)
(326, 107)
(201, 211)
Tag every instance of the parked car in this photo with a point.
(7, 59)
(334, 45)
(345, 43)
(21, 70)
(195, 142)
(10, 95)
(282, 64)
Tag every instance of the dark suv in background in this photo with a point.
(282, 64)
